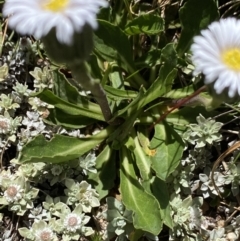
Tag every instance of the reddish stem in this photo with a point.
(180, 103)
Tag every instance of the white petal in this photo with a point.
(64, 32)
(207, 50)
(28, 17)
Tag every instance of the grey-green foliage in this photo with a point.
(206, 131)
(58, 219)
(72, 224)
(233, 177)
(7, 103)
(187, 216)
(8, 125)
(207, 189)
(21, 90)
(39, 213)
(88, 163)
(18, 194)
(53, 205)
(43, 78)
(38, 105)
(55, 173)
(81, 193)
(119, 220)
(180, 179)
(20, 93)
(200, 157)
(38, 231)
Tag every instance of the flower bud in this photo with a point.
(79, 50)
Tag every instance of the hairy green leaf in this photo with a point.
(60, 148)
(60, 118)
(87, 109)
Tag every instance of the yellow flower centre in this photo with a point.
(231, 58)
(55, 5)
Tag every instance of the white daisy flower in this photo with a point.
(72, 222)
(13, 193)
(216, 53)
(38, 17)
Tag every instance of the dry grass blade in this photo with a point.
(219, 160)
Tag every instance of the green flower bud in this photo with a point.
(77, 52)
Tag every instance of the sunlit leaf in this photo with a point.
(145, 207)
(169, 149)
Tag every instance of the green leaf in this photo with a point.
(168, 147)
(134, 106)
(118, 94)
(195, 15)
(67, 92)
(160, 86)
(169, 55)
(60, 148)
(60, 118)
(160, 191)
(180, 93)
(145, 207)
(94, 67)
(87, 109)
(133, 110)
(145, 23)
(142, 160)
(149, 59)
(64, 90)
(112, 43)
(167, 74)
(136, 235)
(103, 180)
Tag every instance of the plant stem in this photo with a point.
(81, 75)
(180, 103)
